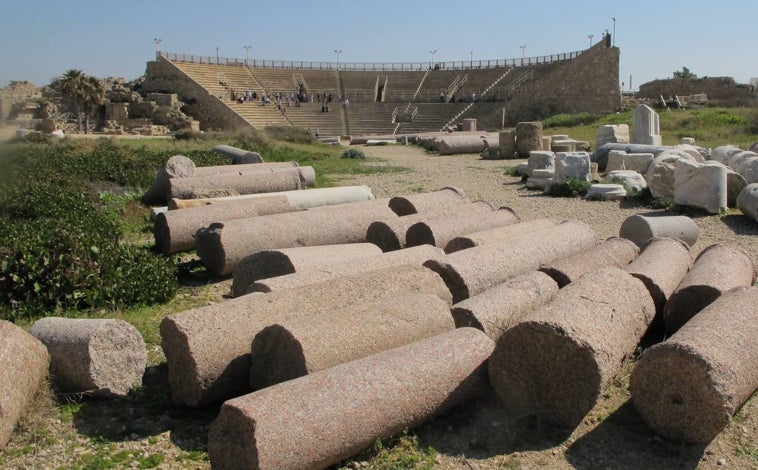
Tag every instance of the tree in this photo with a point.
(685, 74)
(84, 92)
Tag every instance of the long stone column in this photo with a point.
(469, 272)
(228, 184)
(416, 255)
(298, 199)
(661, 266)
(24, 366)
(617, 252)
(272, 263)
(716, 269)
(208, 348)
(317, 420)
(558, 362)
(440, 231)
(447, 197)
(499, 308)
(222, 245)
(304, 345)
(689, 387)
(495, 234)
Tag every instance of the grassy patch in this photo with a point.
(401, 453)
(569, 188)
(748, 449)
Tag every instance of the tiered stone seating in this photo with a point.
(260, 116)
(309, 116)
(431, 117)
(360, 86)
(370, 118)
(401, 86)
(209, 76)
(321, 81)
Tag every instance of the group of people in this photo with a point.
(283, 100)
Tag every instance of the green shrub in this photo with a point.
(189, 134)
(569, 188)
(569, 120)
(33, 138)
(295, 135)
(353, 153)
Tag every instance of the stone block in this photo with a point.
(540, 160)
(724, 152)
(24, 366)
(747, 201)
(359, 402)
(499, 308)
(717, 269)
(303, 345)
(507, 144)
(469, 124)
(618, 133)
(646, 127)
(620, 160)
(689, 387)
(610, 192)
(701, 185)
(632, 179)
(528, 137)
(575, 165)
(687, 141)
(558, 361)
(661, 175)
(102, 357)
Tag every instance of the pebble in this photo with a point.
(721, 462)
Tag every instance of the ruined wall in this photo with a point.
(16, 92)
(588, 83)
(162, 76)
(723, 89)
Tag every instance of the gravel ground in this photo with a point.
(146, 431)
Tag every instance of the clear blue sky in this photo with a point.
(43, 39)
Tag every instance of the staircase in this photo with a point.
(455, 86)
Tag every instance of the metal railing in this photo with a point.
(369, 66)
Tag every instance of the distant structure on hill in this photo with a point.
(370, 98)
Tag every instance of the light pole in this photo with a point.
(247, 54)
(338, 52)
(431, 64)
(590, 36)
(471, 57)
(217, 61)
(614, 31)
(157, 46)
(523, 48)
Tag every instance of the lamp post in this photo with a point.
(614, 31)
(247, 54)
(431, 64)
(523, 48)
(338, 52)
(471, 58)
(217, 61)
(157, 46)
(590, 36)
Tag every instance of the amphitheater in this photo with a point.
(389, 98)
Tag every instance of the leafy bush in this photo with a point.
(353, 153)
(569, 120)
(295, 135)
(569, 188)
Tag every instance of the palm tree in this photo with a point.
(83, 92)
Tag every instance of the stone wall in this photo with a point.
(723, 89)
(162, 76)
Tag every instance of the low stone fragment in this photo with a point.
(747, 201)
(689, 387)
(102, 357)
(701, 185)
(640, 228)
(317, 420)
(572, 165)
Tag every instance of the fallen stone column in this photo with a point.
(227, 184)
(717, 269)
(600, 155)
(558, 361)
(616, 252)
(477, 269)
(244, 168)
(271, 263)
(640, 229)
(238, 155)
(389, 235)
(446, 198)
(24, 366)
(496, 234)
(747, 201)
(174, 231)
(499, 308)
(304, 345)
(208, 348)
(688, 387)
(222, 245)
(298, 199)
(356, 403)
(464, 143)
(416, 255)
(440, 231)
(661, 266)
(104, 357)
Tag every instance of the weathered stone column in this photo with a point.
(688, 387)
(304, 345)
(640, 229)
(446, 198)
(469, 272)
(104, 357)
(298, 199)
(222, 245)
(416, 255)
(359, 402)
(24, 366)
(496, 234)
(717, 269)
(439, 231)
(558, 361)
(229, 184)
(499, 308)
(528, 137)
(210, 364)
(390, 235)
(271, 263)
(747, 201)
(238, 155)
(616, 252)
(661, 266)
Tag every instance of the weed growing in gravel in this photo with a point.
(569, 188)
